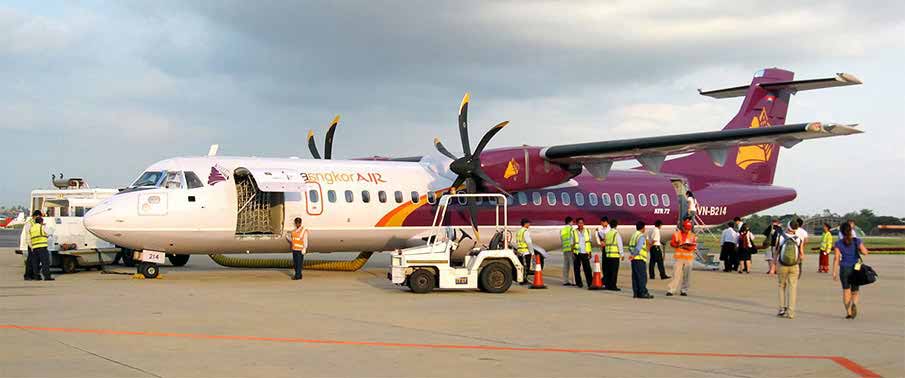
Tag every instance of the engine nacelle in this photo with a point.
(521, 168)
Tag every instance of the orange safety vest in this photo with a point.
(684, 253)
(298, 242)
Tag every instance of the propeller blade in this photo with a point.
(458, 182)
(488, 135)
(463, 125)
(443, 149)
(312, 146)
(328, 144)
(472, 187)
(486, 179)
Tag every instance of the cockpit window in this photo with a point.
(192, 180)
(174, 181)
(149, 179)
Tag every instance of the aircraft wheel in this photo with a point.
(495, 278)
(421, 281)
(127, 257)
(149, 270)
(69, 264)
(178, 260)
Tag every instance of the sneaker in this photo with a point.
(647, 296)
(50, 279)
(782, 313)
(668, 294)
(683, 294)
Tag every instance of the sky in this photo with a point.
(103, 89)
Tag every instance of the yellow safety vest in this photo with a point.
(520, 242)
(612, 249)
(298, 240)
(576, 249)
(633, 243)
(826, 243)
(38, 236)
(565, 234)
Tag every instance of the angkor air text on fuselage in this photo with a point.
(216, 204)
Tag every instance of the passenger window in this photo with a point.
(630, 199)
(592, 199)
(579, 199)
(381, 196)
(331, 196)
(522, 198)
(349, 196)
(642, 200)
(415, 197)
(312, 196)
(551, 198)
(654, 201)
(431, 197)
(536, 198)
(479, 200)
(618, 199)
(461, 200)
(665, 200)
(192, 180)
(566, 200)
(605, 197)
(79, 211)
(365, 196)
(397, 195)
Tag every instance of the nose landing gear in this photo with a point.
(148, 269)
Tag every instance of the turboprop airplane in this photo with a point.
(216, 204)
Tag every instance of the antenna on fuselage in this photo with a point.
(213, 150)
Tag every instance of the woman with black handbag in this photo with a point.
(848, 251)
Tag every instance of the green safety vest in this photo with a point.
(38, 236)
(587, 241)
(612, 249)
(566, 236)
(826, 243)
(634, 243)
(521, 244)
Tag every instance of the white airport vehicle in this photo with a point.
(70, 244)
(491, 268)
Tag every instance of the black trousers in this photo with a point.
(298, 261)
(581, 262)
(529, 262)
(40, 262)
(656, 259)
(727, 255)
(639, 278)
(610, 272)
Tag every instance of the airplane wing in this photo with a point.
(652, 151)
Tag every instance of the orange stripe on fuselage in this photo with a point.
(397, 216)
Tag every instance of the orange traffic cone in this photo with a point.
(538, 274)
(597, 282)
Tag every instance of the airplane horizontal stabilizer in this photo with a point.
(841, 79)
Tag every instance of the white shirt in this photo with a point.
(801, 233)
(601, 234)
(654, 236)
(692, 204)
(729, 236)
(581, 241)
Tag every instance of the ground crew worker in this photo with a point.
(41, 261)
(601, 237)
(581, 237)
(685, 243)
(656, 251)
(30, 274)
(523, 246)
(612, 250)
(565, 235)
(826, 245)
(298, 243)
(637, 247)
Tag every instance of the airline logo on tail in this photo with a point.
(761, 153)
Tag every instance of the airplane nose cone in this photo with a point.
(99, 221)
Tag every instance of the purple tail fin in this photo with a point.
(747, 164)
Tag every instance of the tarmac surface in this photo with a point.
(203, 320)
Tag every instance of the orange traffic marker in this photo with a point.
(538, 274)
(597, 280)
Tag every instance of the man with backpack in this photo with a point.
(789, 257)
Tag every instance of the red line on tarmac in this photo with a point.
(841, 361)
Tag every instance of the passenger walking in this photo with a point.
(746, 248)
(524, 246)
(826, 245)
(685, 243)
(848, 251)
(298, 242)
(30, 273)
(851, 223)
(771, 234)
(612, 253)
(790, 256)
(582, 249)
(638, 246)
(728, 246)
(41, 261)
(565, 235)
(656, 251)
